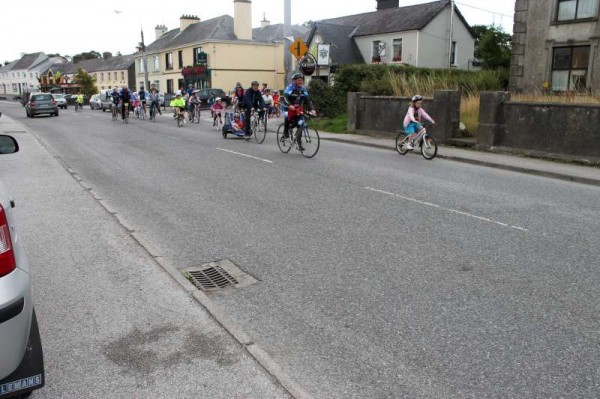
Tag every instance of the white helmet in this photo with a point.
(218, 99)
(178, 93)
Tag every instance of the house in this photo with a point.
(22, 76)
(555, 46)
(430, 35)
(218, 52)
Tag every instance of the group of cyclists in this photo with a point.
(122, 99)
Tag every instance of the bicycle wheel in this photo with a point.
(310, 141)
(284, 144)
(401, 143)
(260, 131)
(197, 116)
(180, 120)
(428, 147)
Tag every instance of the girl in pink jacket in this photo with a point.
(412, 121)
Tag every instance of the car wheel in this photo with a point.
(56, 113)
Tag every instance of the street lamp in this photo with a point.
(142, 48)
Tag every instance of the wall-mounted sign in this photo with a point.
(323, 54)
(307, 65)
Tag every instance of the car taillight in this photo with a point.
(54, 102)
(7, 256)
(31, 103)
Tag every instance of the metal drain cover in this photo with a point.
(217, 276)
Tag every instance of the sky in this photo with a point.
(76, 26)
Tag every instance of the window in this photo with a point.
(397, 48)
(102, 76)
(156, 63)
(114, 75)
(569, 10)
(569, 68)
(453, 54)
(30, 75)
(142, 66)
(376, 48)
(156, 85)
(122, 76)
(180, 58)
(14, 87)
(170, 86)
(169, 61)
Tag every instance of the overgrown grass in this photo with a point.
(469, 114)
(337, 124)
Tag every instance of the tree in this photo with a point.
(492, 46)
(106, 55)
(119, 54)
(90, 55)
(86, 81)
(309, 24)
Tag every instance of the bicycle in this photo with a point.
(195, 117)
(114, 111)
(179, 118)
(139, 111)
(126, 119)
(423, 141)
(218, 120)
(153, 110)
(299, 130)
(258, 125)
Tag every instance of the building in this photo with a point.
(555, 46)
(218, 52)
(430, 35)
(22, 76)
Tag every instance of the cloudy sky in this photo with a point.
(70, 27)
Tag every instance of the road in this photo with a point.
(379, 276)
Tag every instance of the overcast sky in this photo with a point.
(70, 27)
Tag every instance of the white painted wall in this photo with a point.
(409, 46)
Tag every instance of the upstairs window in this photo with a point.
(569, 68)
(180, 58)
(169, 60)
(571, 10)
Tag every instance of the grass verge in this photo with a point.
(338, 124)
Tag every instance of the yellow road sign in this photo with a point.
(298, 48)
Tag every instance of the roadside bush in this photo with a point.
(328, 100)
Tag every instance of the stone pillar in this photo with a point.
(491, 117)
(354, 109)
(446, 113)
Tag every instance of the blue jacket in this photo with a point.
(296, 96)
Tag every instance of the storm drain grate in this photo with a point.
(218, 276)
(211, 278)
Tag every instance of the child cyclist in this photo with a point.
(414, 118)
(217, 108)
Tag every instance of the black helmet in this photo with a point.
(416, 98)
(297, 76)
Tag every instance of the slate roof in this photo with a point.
(8, 67)
(29, 61)
(343, 49)
(269, 33)
(398, 19)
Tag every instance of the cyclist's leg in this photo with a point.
(247, 121)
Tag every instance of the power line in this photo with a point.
(482, 9)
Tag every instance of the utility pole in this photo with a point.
(451, 34)
(144, 61)
(287, 32)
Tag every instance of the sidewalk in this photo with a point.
(557, 170)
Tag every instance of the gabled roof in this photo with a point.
(29, 61)
(270, 33)
(116, 63)
(8, 67)
(343, 49)
(398, 19)
(91, 65)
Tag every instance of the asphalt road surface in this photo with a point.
(379, 276)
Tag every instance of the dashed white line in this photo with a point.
(245, 155)
(483, 219)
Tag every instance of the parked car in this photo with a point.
(61, 101)
(105, 101)
(205, 94)
(95, 102)
(22, 362)
(41, 103)
(70, 98)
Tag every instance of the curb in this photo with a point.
(535, 172)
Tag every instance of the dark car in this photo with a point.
(41, 103)
(205, 94)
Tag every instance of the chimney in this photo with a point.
(159, 31)
(385, 4)
(265, 21)
(187, 20)
(242, 16)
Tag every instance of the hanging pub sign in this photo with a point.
(307, 65)
(202, 58)
(323, 54)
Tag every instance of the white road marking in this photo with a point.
(483, 219)
(245, 155)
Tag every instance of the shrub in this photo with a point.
(328, 100)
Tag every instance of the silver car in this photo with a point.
(21, 360)
(60, 99)
(95, 102)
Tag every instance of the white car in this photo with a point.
(95, 102)
(21, 359)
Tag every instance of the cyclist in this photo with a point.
(253, 99)
(114, 98)
(154, 99)
(412, 121)
(268, 99)
(238, 98)
(193, 102)
(143, 97)
(125, 98)
(217, 109)
(79, 101)
(178, 105)
(294, 98)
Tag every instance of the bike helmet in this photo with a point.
(416, 98)
(255, 82)
(297, 76)
(218, 99)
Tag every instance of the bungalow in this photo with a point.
(22, 76)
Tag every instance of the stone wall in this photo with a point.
(384, 114)
(570, 131)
